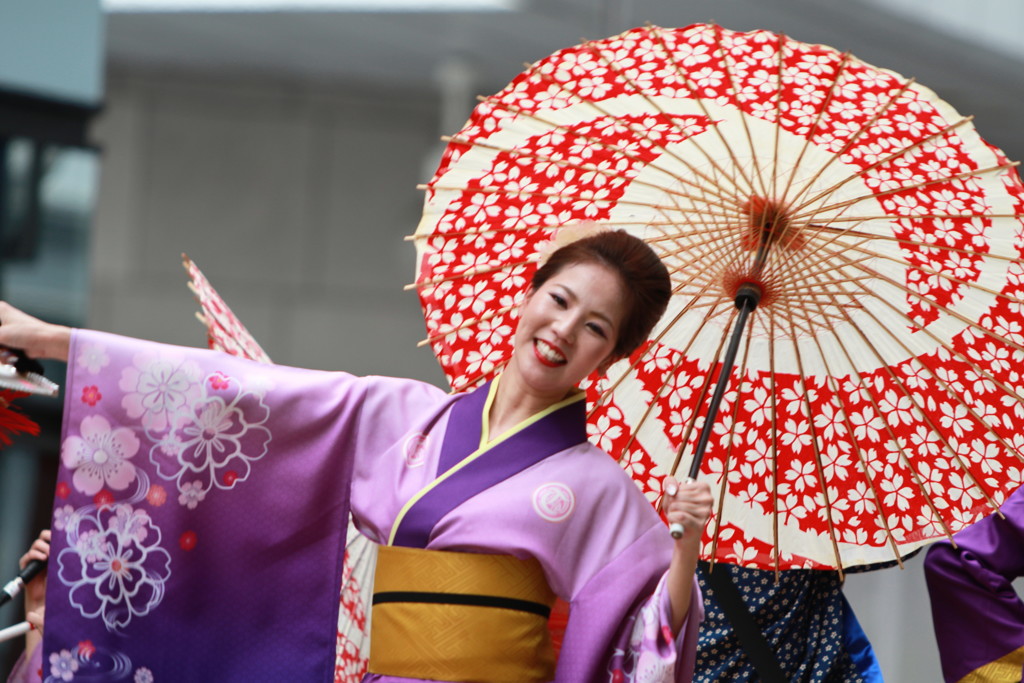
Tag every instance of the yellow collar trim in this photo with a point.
(485, 445)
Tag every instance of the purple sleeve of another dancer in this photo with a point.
(977, 614)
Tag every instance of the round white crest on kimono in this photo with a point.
(416, 450)
(554, 501)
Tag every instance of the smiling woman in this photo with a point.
(487, 505)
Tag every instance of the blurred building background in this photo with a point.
(51, 90)
(281, 148)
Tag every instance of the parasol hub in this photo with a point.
(748, 295)
(769, 225)
(745, 288)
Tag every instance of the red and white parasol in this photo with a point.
(877, 390)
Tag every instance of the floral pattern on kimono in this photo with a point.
(200, 517)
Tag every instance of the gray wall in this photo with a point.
(293, 200)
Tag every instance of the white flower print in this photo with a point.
(962, 490)
(865, 424)
(113, 565)
(156, 389)
(835, 511)
(93, 358)
(956, 418)
(212, 441)
(796, 435)
(897, 408)
(802, 475)
(792, 508)
(606, 431)
(829, 422)
(759, 406)
(593, 88)
(862, 497)
(895, 494)
(753, 495)
(925, 443)
(758, 456)
(836, 461)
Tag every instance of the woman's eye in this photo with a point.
(597, 329)
(558, 299)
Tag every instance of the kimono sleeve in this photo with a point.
(647, 648)
(200, 515)
(977, 614)
(626, 605)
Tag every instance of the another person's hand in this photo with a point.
(35, 617)
(35, 591)
(38, 339)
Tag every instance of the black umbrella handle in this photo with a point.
(747, 298)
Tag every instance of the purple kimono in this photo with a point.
(977, 614)
(200, 517)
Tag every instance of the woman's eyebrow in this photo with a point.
(570, 294)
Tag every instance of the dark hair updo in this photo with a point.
(646, 283)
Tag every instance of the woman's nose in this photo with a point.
(565, 326)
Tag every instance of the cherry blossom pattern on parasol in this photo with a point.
(873, 403)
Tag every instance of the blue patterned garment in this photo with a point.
(805, 619)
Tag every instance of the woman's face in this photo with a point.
(567, 328)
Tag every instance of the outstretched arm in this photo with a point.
(36, 338)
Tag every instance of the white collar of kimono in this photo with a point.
(485, 445)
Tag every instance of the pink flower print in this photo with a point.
(156, 496)
(63, 665)
(91, 395)
(63, 517)
(90, 545)
(192, 493)
(100, 456)
(129, 523)
(219, 381)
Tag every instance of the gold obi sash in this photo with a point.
(460, 617)
(1002, 670)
